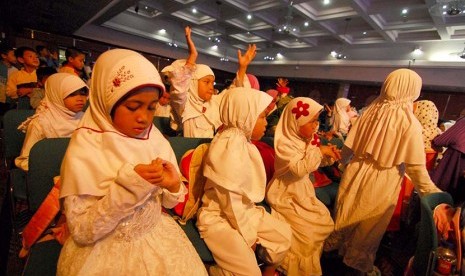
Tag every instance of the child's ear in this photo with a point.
(20, 59)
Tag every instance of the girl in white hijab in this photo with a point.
(385, 141)
(193, 97)
(291, 194)
(117, 174)
(58, 115)
(229, 221)
(341, 119)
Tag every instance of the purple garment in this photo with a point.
(448, 175)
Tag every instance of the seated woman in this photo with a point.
(58, 115)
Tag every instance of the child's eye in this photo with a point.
(132, 107)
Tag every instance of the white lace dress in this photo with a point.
(126, 233)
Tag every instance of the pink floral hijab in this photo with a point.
(289, 145)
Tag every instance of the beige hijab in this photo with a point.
(233, 162)
(341, 120)
(57, 120)
(97, 151)
(289, 145)
(388, 131)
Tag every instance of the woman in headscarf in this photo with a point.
(57, 116)
(291, 194)
(230, 222)
(385, 141)
(117, 174)
(341, 120)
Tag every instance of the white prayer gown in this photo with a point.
(229, 221)
(291, 194)
(386, 141)
(115, 216)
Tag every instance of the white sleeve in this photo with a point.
(232, 206)
(180, 82)
(309, 163)
(34, 134)
(421, 180)
(91, 218)
(172, 199)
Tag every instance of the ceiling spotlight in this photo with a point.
(268, 58)
(448, 8)
(224, 59)
(249, 16)
(417, 51)
(194, 10)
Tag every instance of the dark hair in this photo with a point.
(20, 51)
(5, 48)
(73, 52)
(45, 72)
(40, 48)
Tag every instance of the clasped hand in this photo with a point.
(160, 173)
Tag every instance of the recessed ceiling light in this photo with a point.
(162, 31)
(249, 16)
(306, 24)
(364, 33)
(194, 10)
(404, 11)
(326, 2)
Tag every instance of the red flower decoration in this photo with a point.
(316, 140)
(116, 82)
(301, 110)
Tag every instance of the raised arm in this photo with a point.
(244, 61)
(191, 59)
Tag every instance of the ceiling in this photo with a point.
(367, 32)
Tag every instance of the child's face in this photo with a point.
(307, 130)
(76, 100)
(205, 87)
(260, 127)
(10, 57)
(30, 59)
(134, 115)
(77, 62)
(165, 99)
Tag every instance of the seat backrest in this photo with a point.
(427, 238)
(44, 163)
(182, 144)
(14, 138)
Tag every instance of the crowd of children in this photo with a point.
(128, 171)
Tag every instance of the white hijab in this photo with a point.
(97, 150)
(341, 120)
(233, 162)
(388, 131)
(57, 120)
(289, 145)
(195, 106)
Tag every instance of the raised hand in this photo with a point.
(191, 59)
(246, 59)
(282, 82)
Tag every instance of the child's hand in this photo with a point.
(160, 173)
(282, 82)
(331, 151)
(191, 59)
(246, 59)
